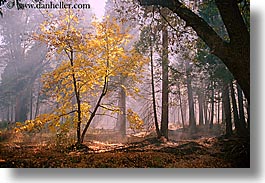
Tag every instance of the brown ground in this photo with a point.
(207, 152)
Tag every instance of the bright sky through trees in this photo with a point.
(97, 6)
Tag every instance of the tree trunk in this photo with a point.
(8, 113)
(212, 105)
(248, 120)
(102, 95)
(192, 122)
(235, 111)
(164, 117)
(158, 133)
(12, 112)
(218, 109)
(21, 108)
(241, 107)
(37, 108)
(206, 120)
(200, 101)
(227, 110)
(31, 104)
(121, 121)
(77, 98)
(181, 107)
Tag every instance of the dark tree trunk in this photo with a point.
(12, 113)
(206, 119)
(235, 111)
(218, 109)
(37, 108)
(181, 107)
(93, 114)
(223, 109)
(164, 117)
(241, 107)
(21, 109)
(212, 105)
(227, 110)
(248, 120)
(8, 113)
(200, 101)
(192, 122)
(158, 133)
(77, 98)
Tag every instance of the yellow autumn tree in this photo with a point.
(91, 58)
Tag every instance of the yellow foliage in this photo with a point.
(92, 58)
(135, 122)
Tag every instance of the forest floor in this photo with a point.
(147, 152)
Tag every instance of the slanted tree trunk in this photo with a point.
(164, 116)
(77, 97)
(93, 114)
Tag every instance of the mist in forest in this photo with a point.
(119, 72)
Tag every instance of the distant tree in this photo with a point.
(24, 60)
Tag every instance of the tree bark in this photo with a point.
(164, 117)
(21, 108)
(121, 121)
(37, 108)
(241, 107)
(31, 104)
(93, 114)
(77, 97)
(192, 122)
(181, 107)
(227, 110)
(218, 109)
(200, 101)
(235, 111)
(212, 105)
(158, 133)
